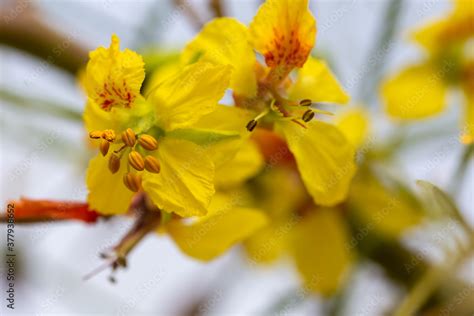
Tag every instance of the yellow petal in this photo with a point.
(315, 81)
(320, 246)
(324, 157)
(114, 77)
(246, 163)
(224, 226)
(267, 244)
(185, 183)
(225, 41)
(354, 124)
(416, 92)
(387, 212)
(284, 32)
(183, 98)
(107, 192)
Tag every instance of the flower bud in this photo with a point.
(132, 181)
(251, 125)
(148, 142)
(129, 138)
(114, 163)
(308, 116)
(136, 160)
(104, 147)
(152, 164)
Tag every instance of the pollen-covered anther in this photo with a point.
(95, 134)
(308, 115)
(129, 138)
(148, 142)
(132, 181)
(152, 164)
(104, 147)
(108, 135)
(251, 125)
(114, 163)
(136, 160)
(306, 102)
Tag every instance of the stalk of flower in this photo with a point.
(283, 32)
(420, 91)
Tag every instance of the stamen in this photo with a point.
(132, 181)
(104, 147)
(251, 125)
(95, 134)
(306, 102)
(108, 135)
(148, 142)
(308, 115)
(152, 164)
(114, 163)
(129, 138)
(136, 160)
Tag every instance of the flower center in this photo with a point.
(137, 149)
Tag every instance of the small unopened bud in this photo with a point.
(251, 125)
(132, 181)
(129, 138)
(148, 142)
(95, 134)
(114, 163)
(108, 135)
(306, 102)
(152, 164)
(104, 147)
(308, 116)
(136, 160)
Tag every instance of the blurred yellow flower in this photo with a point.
(420, 90)
(284, 33)
(149, 144)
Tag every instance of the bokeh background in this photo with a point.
(44, 155)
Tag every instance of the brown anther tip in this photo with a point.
(114, 163)
(104, 147)
(108, 135)
(308, 116)
(251, 125)
(306, 102)
(136, 160)
(121, 261)
(128, 137)
(132, 181)
(95, 134)
(152, 164)
(148, 142)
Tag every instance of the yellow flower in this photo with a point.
(420, 91)
(150, 144)
(283, 32)
(316, 238)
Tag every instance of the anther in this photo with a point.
(95, 134)
(108, 135)
(308, 116)
(306, 102)
(152, 164)
(136, 160)
(104, 147)
(148, 142)
(251, 125)
(114, 163)
(132, 181)
(129, 138)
